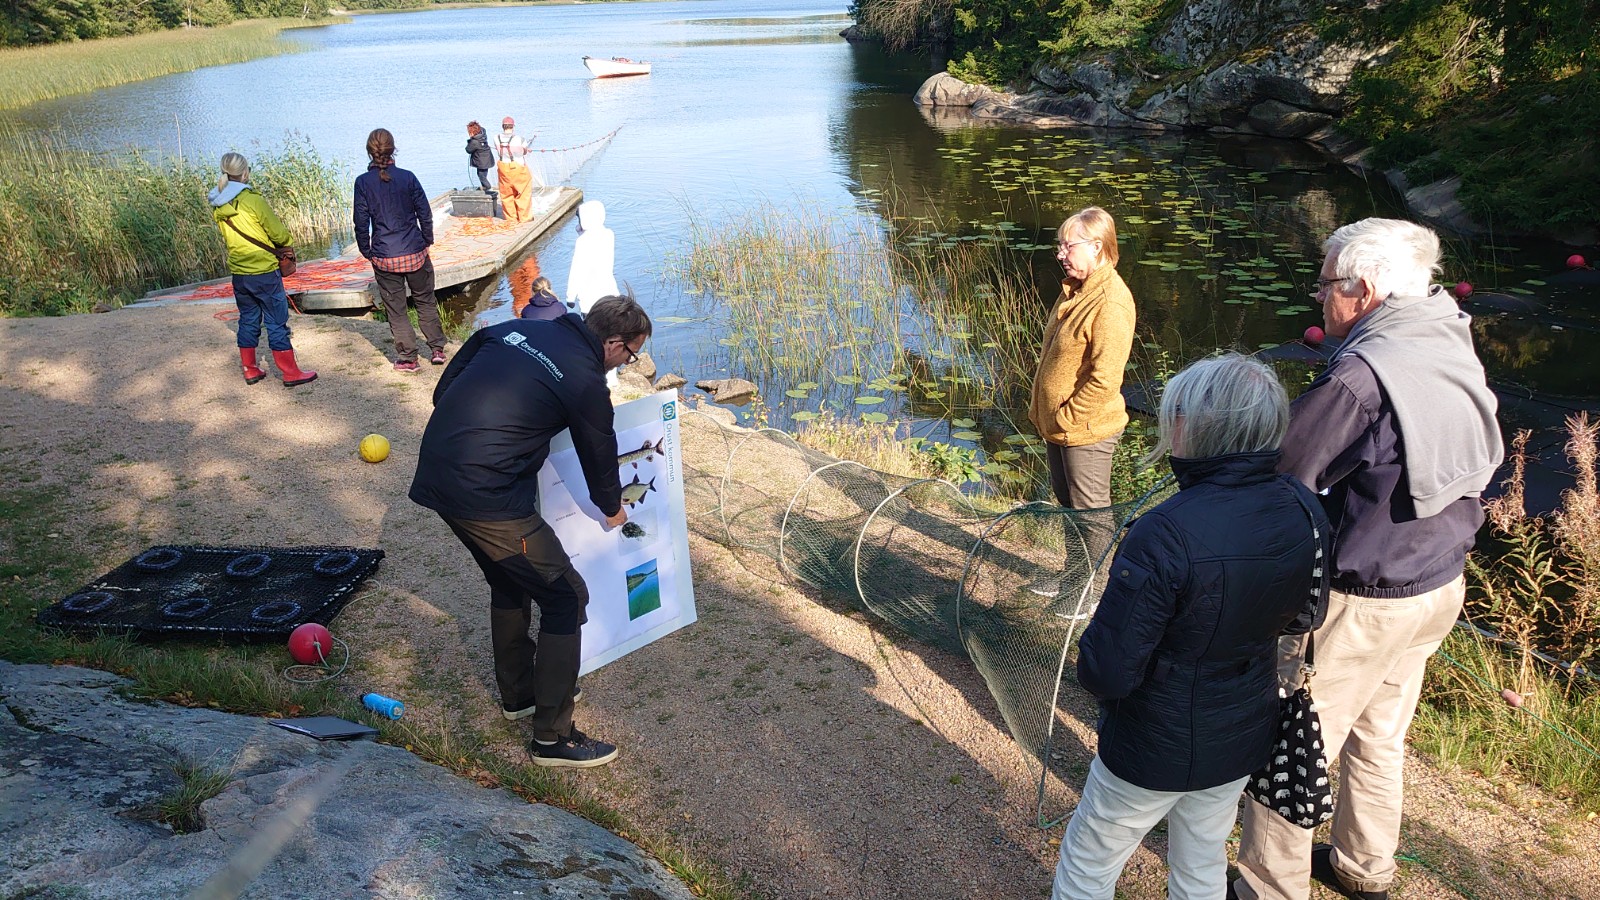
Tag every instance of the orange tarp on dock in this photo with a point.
(464, 249)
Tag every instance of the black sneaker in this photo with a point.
(1323, 872)
(577, 751)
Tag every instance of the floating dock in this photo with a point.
(464, 249)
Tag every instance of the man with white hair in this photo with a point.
(1399, 437)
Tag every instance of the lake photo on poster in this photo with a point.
(644, 590)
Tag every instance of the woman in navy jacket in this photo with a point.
(394, 229)
(1182, 651)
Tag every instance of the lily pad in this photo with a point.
(868, 400)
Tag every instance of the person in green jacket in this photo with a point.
(250, 229)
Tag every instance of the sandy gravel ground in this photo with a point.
(806, 750)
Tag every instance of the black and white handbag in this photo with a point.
(1294, 783)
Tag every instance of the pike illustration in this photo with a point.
(633, 492)
(646, 452)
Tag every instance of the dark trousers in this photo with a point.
(261, 298)
(1081, 479)
(524, 563)
(1081, 476)
(392, 291)
(483, 179)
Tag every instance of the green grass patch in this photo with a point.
(1552, 740)
(180, 809)
(31, 74)
(84, 229)
(1536, 583)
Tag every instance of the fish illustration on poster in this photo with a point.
(638, 576)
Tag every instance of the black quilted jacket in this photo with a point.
(1182, 650)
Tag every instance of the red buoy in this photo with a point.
(1314, 335)
(1463, 290)
(1576, 261)
(310, 644)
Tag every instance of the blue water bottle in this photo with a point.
(383, 706)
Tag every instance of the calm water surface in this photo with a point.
(755, 103)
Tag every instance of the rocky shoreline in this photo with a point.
(1225, 68)
(1435, 202)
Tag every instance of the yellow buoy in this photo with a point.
(374, 448)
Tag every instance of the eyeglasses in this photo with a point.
(1067, 246)
(633, 355)
(1324, 283)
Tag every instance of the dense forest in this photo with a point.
(1503, 93)
(32, 22)
(25, 23)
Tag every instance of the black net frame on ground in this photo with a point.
(1009, 585)
(237, 592)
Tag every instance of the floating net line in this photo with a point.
(1010, 586)
(557, 166)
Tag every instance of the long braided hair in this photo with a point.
(380, 149)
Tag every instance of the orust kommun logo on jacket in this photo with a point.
(515, 339)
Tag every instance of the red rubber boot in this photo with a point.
(292, 375)
(252, 373)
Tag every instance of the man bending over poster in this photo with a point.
(511, 388)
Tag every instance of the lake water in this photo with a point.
(761, 104)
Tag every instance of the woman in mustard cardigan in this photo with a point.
(1077, 393)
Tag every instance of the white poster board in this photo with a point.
(638, 575)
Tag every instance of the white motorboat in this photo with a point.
(615, 67)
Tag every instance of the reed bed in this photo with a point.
(31, 74)
(848, 322)
(85, 230)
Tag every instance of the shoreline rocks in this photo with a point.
(947, 98)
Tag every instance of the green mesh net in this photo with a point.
(1011, 586)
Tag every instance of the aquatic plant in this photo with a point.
(91, 227)
(31, 74)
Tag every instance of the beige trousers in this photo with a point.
(1370, 660)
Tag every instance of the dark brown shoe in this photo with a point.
(1323, 872)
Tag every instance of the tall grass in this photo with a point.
(83, 229)
(31, 74)
(1538, 587)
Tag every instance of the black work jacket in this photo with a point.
(510, 389)
(1182, 649)
(478, 151)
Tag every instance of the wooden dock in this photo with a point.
(464, 250)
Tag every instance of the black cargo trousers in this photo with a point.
(524, 563)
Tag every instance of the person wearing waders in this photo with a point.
(516, 181)
(510, 389)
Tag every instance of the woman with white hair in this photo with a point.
(1182, 650)
(251, 232)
